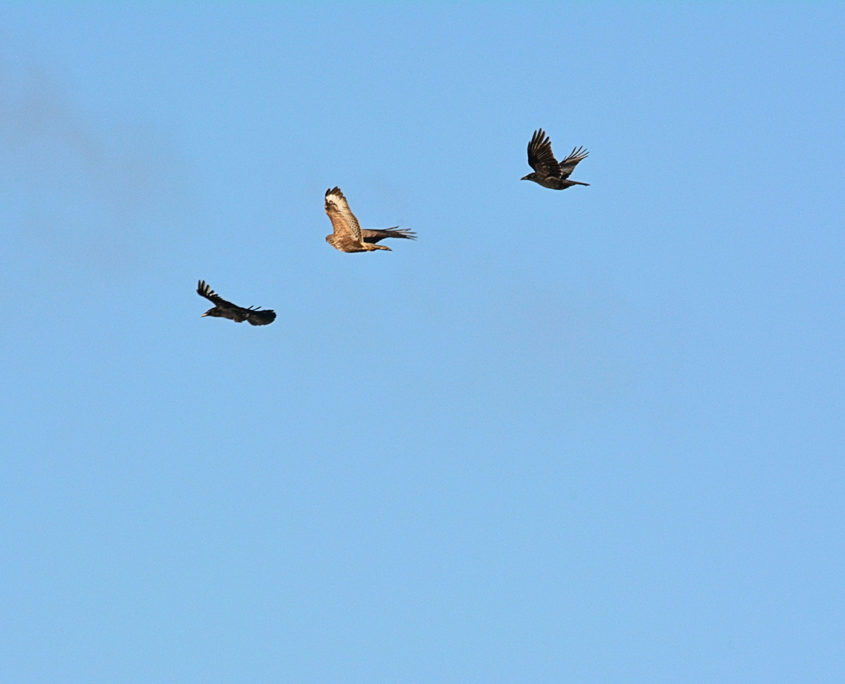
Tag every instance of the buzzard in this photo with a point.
(348, 235)
(549, 172)
(223, 309)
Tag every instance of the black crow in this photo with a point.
(223, 309)
(548, 172)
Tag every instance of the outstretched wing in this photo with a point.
(567, 165)
(540, 155)
(374, 235)
(203, 290)
(258, 316)
(343, 220)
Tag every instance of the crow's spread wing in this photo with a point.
(540, 155)
(374, 235)
(203, 290)
(567, 165)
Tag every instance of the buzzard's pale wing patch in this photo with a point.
(343, 220)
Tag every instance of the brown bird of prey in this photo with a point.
(549, 172)
(223, 309)
(348, 235)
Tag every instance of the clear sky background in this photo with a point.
(591, 435)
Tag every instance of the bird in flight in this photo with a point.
(549, 172)
(223, 309)
(347, 235)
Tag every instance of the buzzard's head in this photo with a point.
(530, 176)
(214, 311)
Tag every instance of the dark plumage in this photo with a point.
(347, 235)
(549, 172)
(223, 309)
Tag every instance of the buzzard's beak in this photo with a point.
(204, 315)
(524, 178)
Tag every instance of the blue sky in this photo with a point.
(592, 435)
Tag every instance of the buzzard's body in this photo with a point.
(223, 309)
(549, 172)
(347, 235)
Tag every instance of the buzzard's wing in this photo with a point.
(203, 290)
(258, 316)
(373, 235)
(343, 220)
(567, 165)
(540, 155)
